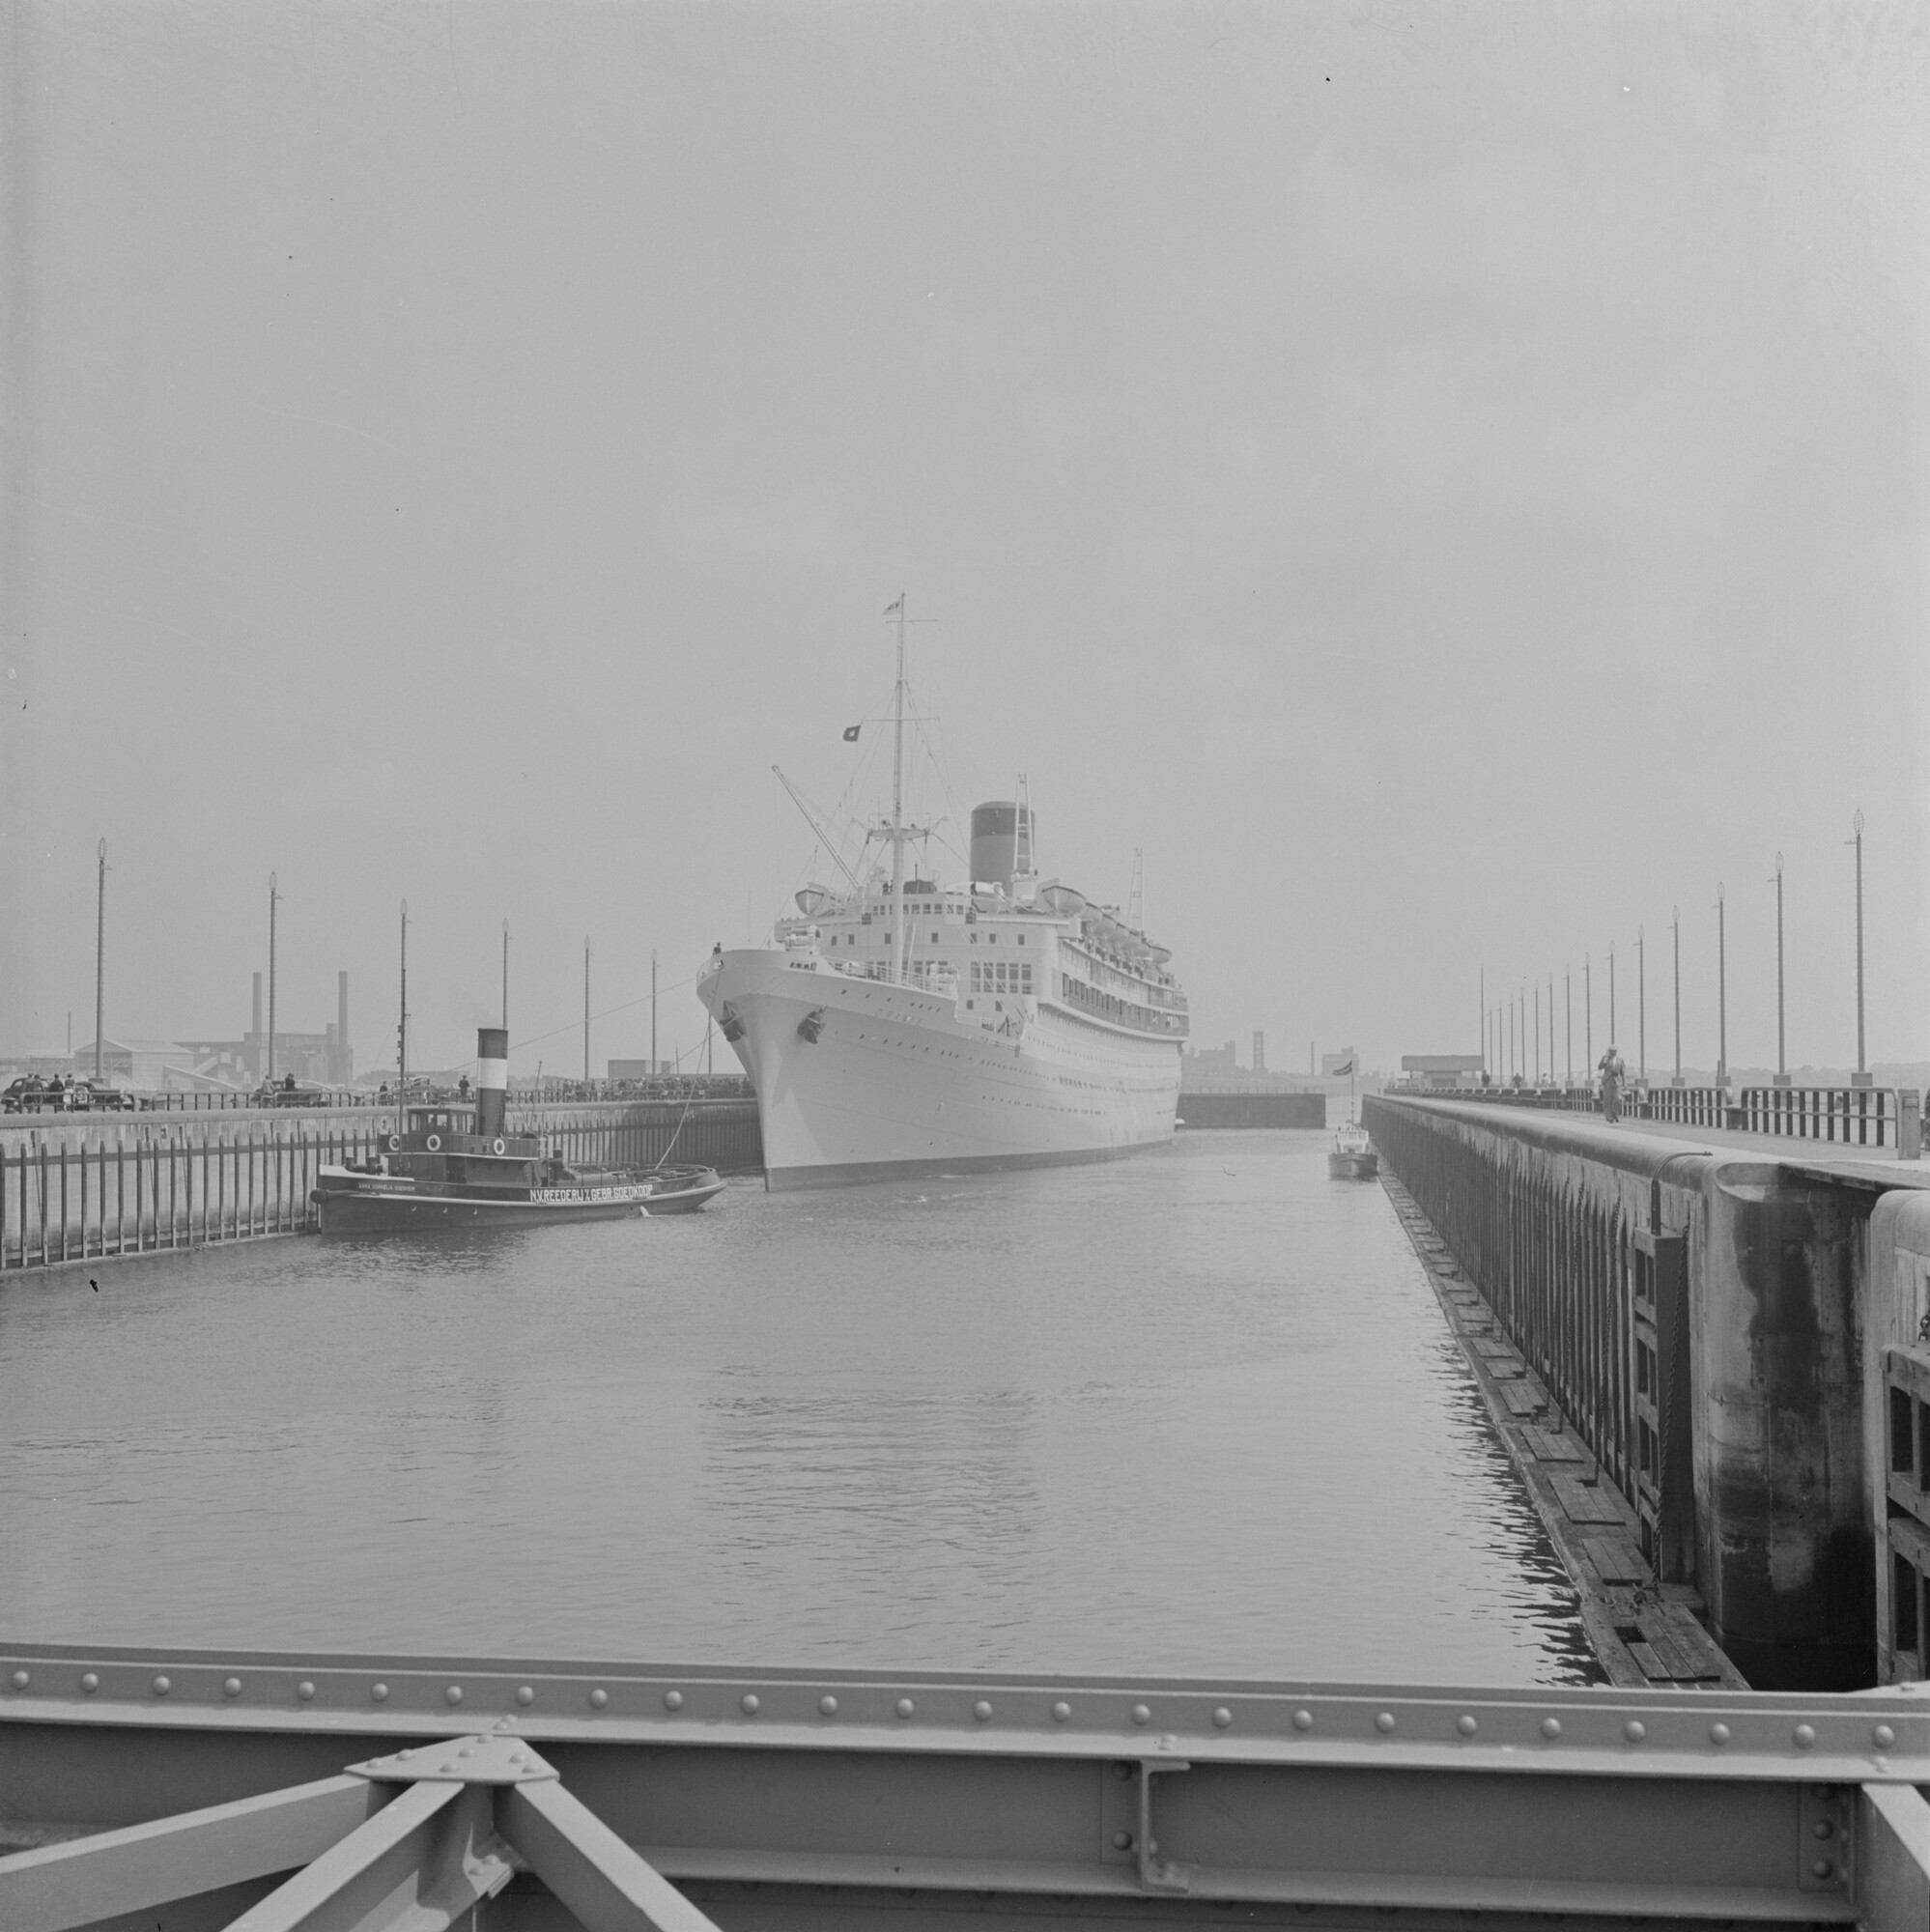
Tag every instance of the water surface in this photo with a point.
(1197, 1412)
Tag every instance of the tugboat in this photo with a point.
(451, 1164)
(1352, 1156)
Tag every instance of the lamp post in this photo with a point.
(1484, 1015)
(586, 1009)
(1568, 1001)
(1642, 1002)
(99, 957)
(1675, 929)
(1611, 994)
(1588, 1015)
(505, 976)
(1862, 1076)
(1721, 990)
(1538, 1033)
(1781, 1054)
(273, 895)
(402, 1032)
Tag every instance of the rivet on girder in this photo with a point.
(453, 1694)
(305, 1690)
(231, 1687)
(1303, 1720)
(1718, 1734)
(1142, 1713)
(1805, 1736)
(1222, 1718)
(1822, 1829)
(1552, 1728)
(748, 1703)
(21, 1680)
(1883, 1734)
(674, 1700)
(90, 1683)
(982, 1710)
(1122, 1841)
(827, 1706)
(162, 1685)
(1384, 1723)
(1821, 1868)
(599, 1697)
(526, 1693)
(380, 1692)
(1634, 1730)
(1466, 1725)
(1062, 1712)
(904, 1707)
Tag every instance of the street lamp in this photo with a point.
(1862, 1074)
(1782, 1054)
(273, 895)
(1588, 1016)
(1642, 1002)
(100, 960)
(1675, 929)
(1721, 991)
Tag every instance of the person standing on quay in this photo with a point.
(1613, 1074)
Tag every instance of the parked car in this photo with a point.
(105, 1097)
(27, 1094)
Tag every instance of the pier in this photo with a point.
(91, 1187)
(1729, 1334)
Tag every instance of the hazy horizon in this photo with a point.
(1448, 485)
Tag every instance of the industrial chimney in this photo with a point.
(492, 1080)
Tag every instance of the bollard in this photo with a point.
(1909, 1124)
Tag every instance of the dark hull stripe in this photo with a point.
(850, 1174)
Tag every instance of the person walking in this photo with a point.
(1613, 1072)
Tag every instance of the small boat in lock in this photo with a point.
(453, 1164)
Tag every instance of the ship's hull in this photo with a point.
(861, 1080)
(1353, 1166)
(350, 1204)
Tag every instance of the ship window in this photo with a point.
(991, 939)
(934, 939)
(1021, 939)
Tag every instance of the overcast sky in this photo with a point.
(1448, 482)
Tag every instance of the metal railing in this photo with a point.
(1851, 1116)
(1583, 1264)
(383, 1792)
(159, 1193)
(1858, 1116)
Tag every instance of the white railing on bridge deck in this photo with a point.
(1847, 1116)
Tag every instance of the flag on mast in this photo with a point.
(851, 734)
(893, 610)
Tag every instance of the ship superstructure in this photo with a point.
(901, 1026)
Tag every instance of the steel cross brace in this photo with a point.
(417, 1841)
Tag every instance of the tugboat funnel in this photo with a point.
(492, 1080)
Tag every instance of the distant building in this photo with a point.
(641, 1069)
(1434, 1070)
(1208, 1062)
(1259, 1051)
(144, 1064)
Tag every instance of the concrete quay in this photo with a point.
(1729, 1326)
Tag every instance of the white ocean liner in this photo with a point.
(900, 1027)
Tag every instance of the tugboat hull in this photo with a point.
(1353, 1166)
(347, 1203)
(367, 1212)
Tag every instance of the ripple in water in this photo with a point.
(1197, 1412)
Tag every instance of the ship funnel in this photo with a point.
(492, 1080)
(1001, 835)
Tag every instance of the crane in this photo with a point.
(811, 818)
